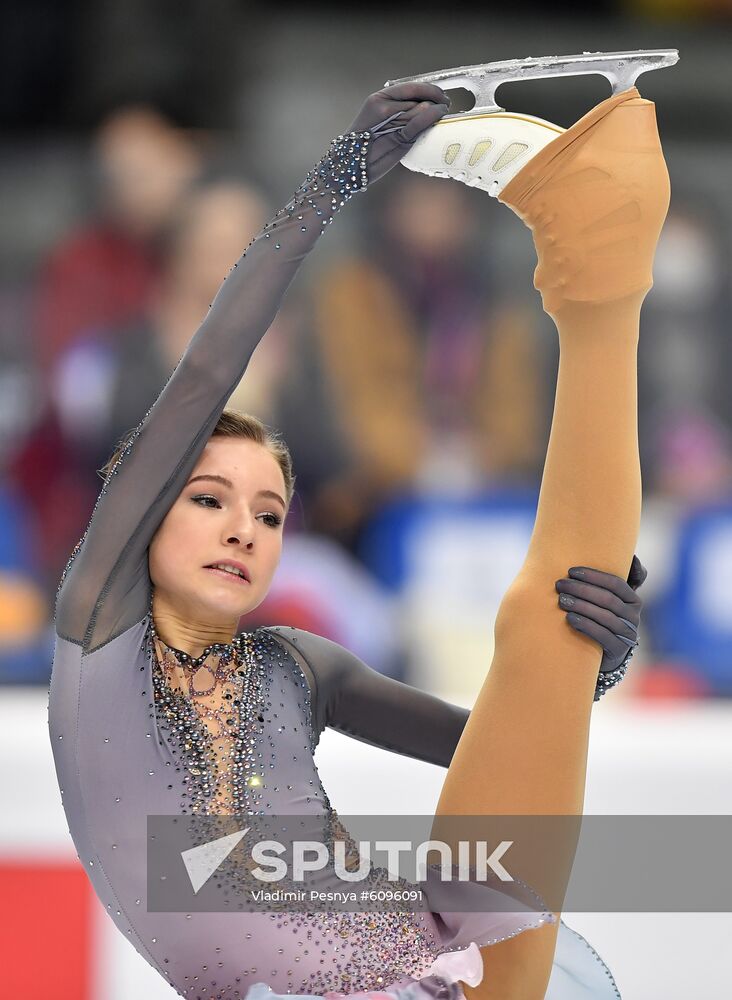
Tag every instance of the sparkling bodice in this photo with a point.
(211, 708)
(173, 753)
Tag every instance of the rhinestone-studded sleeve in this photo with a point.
(105, 587)
(357, 700)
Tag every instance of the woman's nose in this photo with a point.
(243, 529)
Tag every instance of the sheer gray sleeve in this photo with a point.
(105, 587)
(351, 697)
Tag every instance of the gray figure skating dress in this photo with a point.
(137, 731)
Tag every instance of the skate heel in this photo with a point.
(484, 151)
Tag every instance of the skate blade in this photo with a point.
(622, 69)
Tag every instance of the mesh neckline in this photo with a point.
(226, 651)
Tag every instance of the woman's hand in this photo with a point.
(396, 116)
(604, 607)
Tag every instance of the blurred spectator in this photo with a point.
(95, 281)
(103, 273)
(423, 376)
(210, 233)
(685, 407)
(694, 458)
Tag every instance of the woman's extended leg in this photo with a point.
(524, 748)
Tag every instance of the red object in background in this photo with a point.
(96, 278)
(294, 609)
(44, 472)
(671, 680)
(46, 930)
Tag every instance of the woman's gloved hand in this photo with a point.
(396, 116)
(604, 607)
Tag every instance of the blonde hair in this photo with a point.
(232, 424)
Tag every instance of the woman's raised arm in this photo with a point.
(105, 587)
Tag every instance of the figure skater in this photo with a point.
(158, 707)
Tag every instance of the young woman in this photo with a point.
(158, 707)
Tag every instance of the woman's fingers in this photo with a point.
(637, 574)
(603, 607)
(404, 98)
(414, 92)
(395, 117)
(614, 649)
(608, 581)
(599, 597)
(423, 116)
(619, 626)
(393, 132)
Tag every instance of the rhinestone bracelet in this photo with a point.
(612, 677)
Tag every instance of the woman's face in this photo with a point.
(211, 522)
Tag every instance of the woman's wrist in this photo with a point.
(339, 174)
(385, 127)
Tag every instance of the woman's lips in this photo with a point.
(229, 576)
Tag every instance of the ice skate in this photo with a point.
(487, 146)
(594, 195)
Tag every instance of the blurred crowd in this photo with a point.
(412, 385)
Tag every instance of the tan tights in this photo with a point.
(595, 200)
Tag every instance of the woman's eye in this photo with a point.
(273, 520)
(196, 499)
